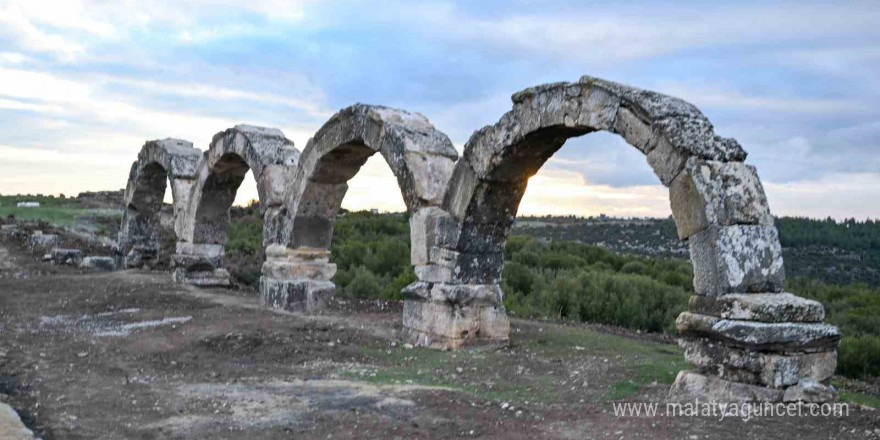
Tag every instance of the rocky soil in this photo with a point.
(129, 355)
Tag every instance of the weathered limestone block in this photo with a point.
(775, 370)
(737, 259)
(41, 240)
(98, 263)
(482, 211)
(462, 294)
(430, 172)
(810, 391)
(689, 386)
(678, 121)
(313, 225)
(764, 307)
(469, 268)
(67, 256)
(666, 161)
(181, 189)
(422, 226)
(276, 225)
(299, 296)
(634, 130)
(278, 252)
(203, 278)
(444, 316)
(434, 273)
(794, 336)
(285, 270)
(272, 184)
(140, 255)
(198, 256)
(717, 193)
(207, 250)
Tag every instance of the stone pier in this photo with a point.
(297, 280)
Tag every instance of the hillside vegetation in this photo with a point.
(580, 282)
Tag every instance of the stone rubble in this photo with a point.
(98, 263)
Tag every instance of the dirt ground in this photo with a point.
(129, 355)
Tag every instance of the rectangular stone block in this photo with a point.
(460, 294)
(690, 386)
(774, 370)
(599, 109)
(764, 307)
(469, 268)
(438, 325)
(67, 256)
(272, 183)
(286, 270)
(634, 130)
(202, 278)
(207, 250)
(717, 193)
(434, 273)
(460, 189)
(99, 263)
(421, 232)
(666, 160)
(737, 259)
(430, 173)
(298, 296)
(42, 240)
(277, 252)
(784, 336)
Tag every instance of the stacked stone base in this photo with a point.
(140, 256)
(297, 280)
(200, 265)
(769, 347)
(451, 316)
(202, 278)
(297, 296)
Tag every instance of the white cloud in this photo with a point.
(561, 192)
(837, 195)
(713, 96)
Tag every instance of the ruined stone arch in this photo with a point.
(204, 229)
(420, 157)
(159, 162)
(749, 340)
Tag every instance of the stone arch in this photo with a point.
(158, 162)
(744, 335)
(421, 158)
(204, 230)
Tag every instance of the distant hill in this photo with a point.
(837, 252)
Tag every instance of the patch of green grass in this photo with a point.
(860, 398)
(54, 210)
(642, 363)
(621, 390)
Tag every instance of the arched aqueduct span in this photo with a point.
(746, 338)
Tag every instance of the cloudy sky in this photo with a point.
(83, 83)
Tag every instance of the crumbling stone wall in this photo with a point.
(159, 162)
